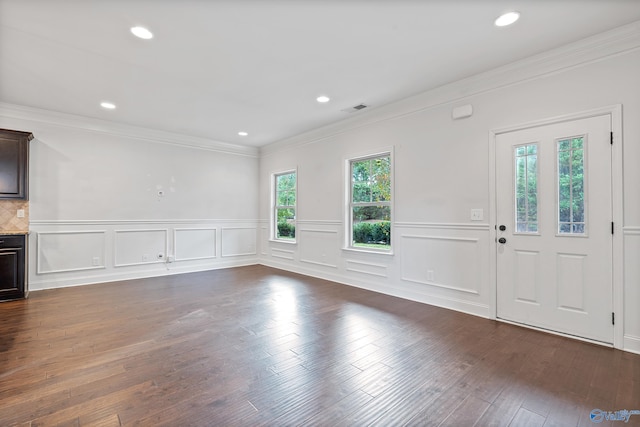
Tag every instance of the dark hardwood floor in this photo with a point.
(257, 346)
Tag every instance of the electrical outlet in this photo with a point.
(20, 213)
(430, 275)
(95, 261)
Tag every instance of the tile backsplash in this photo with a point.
(8, 215)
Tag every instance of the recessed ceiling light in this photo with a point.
(323, 99)
(108, 105)
(142, 33)
(507, 19)
(243, 133)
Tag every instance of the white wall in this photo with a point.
(442, 170)
(95, 212)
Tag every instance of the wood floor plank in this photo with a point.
(526, 418)
(256, 346)
(467, 413)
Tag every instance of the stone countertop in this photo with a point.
(13, 232)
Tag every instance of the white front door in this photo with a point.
(554, 213)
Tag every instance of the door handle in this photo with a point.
(503, 227)
(502, 240)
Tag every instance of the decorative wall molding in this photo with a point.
(399, 224)
(121, 130)
(631, 231)
(61, 251)
(315, 230)
(264, 238)
(282, 253)
(176, 245)
(324, 264)
(429, 264)
(370, 268)
(319, 246)
(150, 251)
(455, 239)
(440, 285)
(84, 222)
(443, 226)
(40, 251)
(240, 246)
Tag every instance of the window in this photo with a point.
(370, 202)
(571, 203)
(284, 223)
(526, 165)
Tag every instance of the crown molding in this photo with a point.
(612, 43)
(54, 118)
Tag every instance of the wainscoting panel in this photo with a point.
(135, 247)
(442, 261)
(264, 239)
(238, 241)
(370, 268)
(283, 254)
(194, 243)
(318, 246)
(68, 251)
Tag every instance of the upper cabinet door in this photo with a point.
(14, 164)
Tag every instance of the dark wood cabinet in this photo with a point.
(14, 164)
(13, 250)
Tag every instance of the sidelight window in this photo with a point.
(571, 185)
(526, 188)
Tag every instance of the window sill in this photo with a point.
(368, 251)
(286, 242)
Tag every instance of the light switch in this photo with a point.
(20, 213)
(477, 214)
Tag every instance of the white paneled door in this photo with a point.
(554, 229)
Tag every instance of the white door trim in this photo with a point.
(615, 112)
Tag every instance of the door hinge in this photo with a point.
(611, 138)
(613, 318)
(611, 227)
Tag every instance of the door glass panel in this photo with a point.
(526, 188)
(571, 202)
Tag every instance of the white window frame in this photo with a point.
(275, 206)
(348, 200)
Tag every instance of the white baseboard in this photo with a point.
(631, 344)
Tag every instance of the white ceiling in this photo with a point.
(218, 67)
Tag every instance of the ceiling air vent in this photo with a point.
(355, 108)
